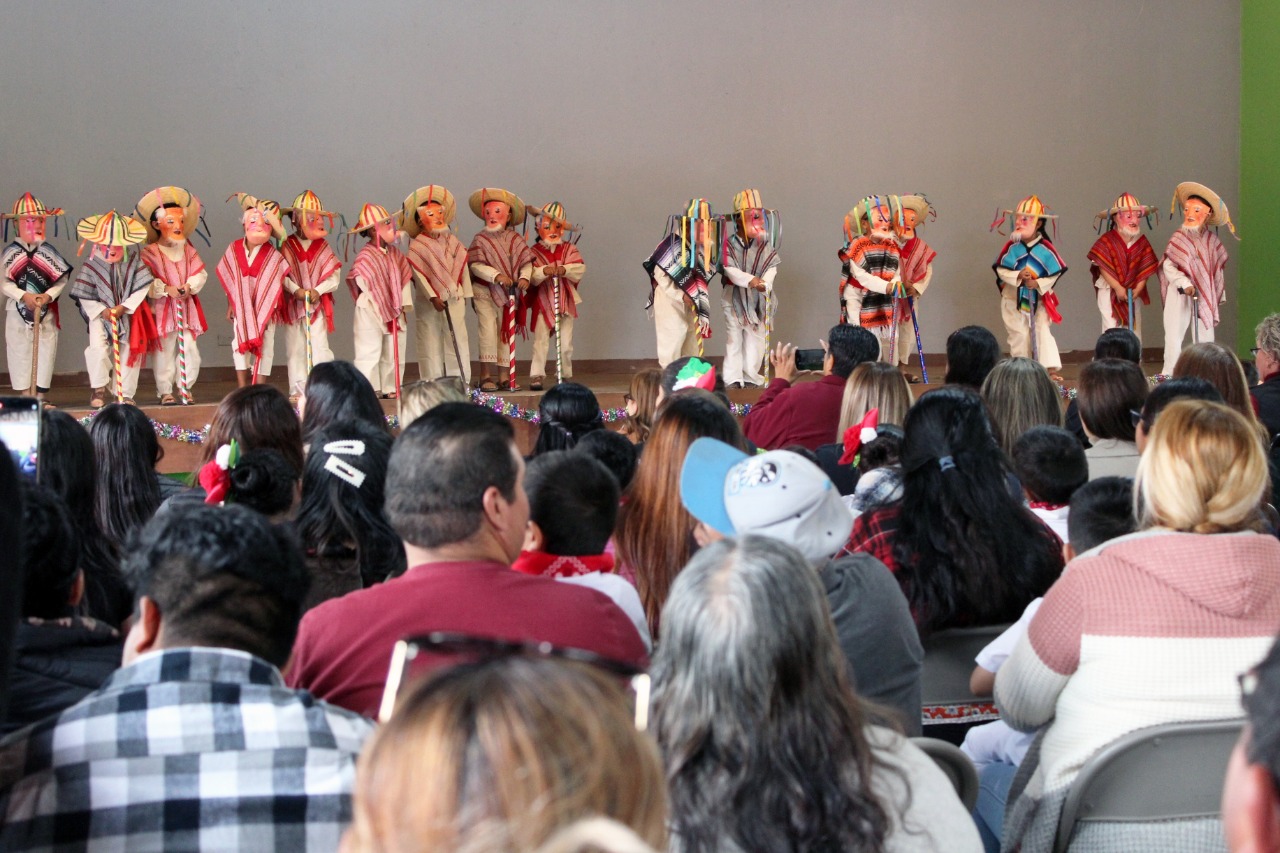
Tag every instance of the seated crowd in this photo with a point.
(689, 633)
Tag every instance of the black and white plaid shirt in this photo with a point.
(185, 749)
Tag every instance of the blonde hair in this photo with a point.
(1203, 471)
(1019, 395)
(500, 756)
(420, 397)
(874, 385)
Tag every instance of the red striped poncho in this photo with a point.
(916, 257)
(1201, 257)
(176, 274)
(441, 261)
(254, 291)
(386, 272)
(540, 300)
(308, 267)
(506, 251)
(1128, 265)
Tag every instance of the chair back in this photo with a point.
(944, 678)
(955, 765)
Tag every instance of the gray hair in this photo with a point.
(1268, 335)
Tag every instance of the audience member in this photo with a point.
(1118, 640)
(455, 495)
(566, 412)
(125, 452)
(641, 401)
(1266, 396)
(196, 743)
(1019, 395)
(257, 417)
(1110, 390)
(767, 747)
(60, 657)
(67, 468)
(964, 549)
(972, 352)
(1184, 388)
(807, 413)
(573, 505)
(1112, 343)
(613, 451)
(421, 396)
(1051, 465)
(1250, 801)
(879, 471)
(654, 537)
(1213, 361)
(347, 541)
(781, 495)
(338, 391)
(10, 573)
(500, 755)
(872, 385)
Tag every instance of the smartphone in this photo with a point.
(810, 359)
(20, 432)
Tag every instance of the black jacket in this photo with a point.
(58, 663)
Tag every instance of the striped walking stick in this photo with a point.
(894, 318)
(768, 336)
(35, 351)
(555, 313)
(511, 339)
(395, 349)
(115, 356)
(306, 302)
(1130, 292)
(184, 394)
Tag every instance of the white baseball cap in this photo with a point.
(778, 494)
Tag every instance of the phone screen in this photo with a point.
(20, 432)
(810, 359)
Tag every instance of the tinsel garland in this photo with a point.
(1070, 393)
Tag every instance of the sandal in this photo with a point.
(535, 383)
(129, 401)
(1056, 377)
(488, 386)
(391, 395)
(168, 400)
(97, 398)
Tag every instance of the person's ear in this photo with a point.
(533, 538)
(144, 635)
(77, 590)
(704, 534)
(1068, 552)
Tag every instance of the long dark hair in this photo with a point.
(567, 412)
(762, 735)
(967, 550)
(125, 449)
(67, 468)
(337, 391)
(336, 515)
(258, 417)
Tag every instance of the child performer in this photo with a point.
(501, 259)
(111, 292)
(442, 280)
(170, 214)
(1121, 262)
(916, 266)
(1027, 269)
(557, 271)
(252, 272)
(680, 271)
(379, 281)
(872, 280)
(748, 264)
(34, 277)
(314, 271)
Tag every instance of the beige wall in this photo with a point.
(623, 110)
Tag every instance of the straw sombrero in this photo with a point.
(370, 215)
(111, 229)
(307, 202)
(1218, 213)
(918, 203)
(29, 205)
(853, 218)
(426, 195)
(1029, 206)
(159, 197)
(555, 212)
(270, 210)
(480, 196)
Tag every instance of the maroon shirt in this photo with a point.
(344, 645)
(806, 414)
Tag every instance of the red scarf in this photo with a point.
(555, 566)
(309, 267)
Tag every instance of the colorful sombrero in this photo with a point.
(426, 195)
(307, 202)
(1123, 202)
(1218, 213)
(270, 210)
(29, 205)
(1029, 206)
(111, 229)
(853, 219)
(748, 200)
(480, 196)
(161, 196)
(555, 212)
(370, 215)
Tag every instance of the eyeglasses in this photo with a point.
(467, 648)
(1136, 417)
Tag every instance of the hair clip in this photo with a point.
(946, 463)
(345, 447)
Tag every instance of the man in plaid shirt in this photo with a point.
(196, 743)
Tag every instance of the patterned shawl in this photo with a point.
(1043, 260)
(441, 261)
(254, 291)
(33, 271)
(308, 267)
(758, 258)
(916, 257)
(693, 280)
(1128, 265)
(110, 285)
(175, 274)
(506, 251)
(1201, 257)
(883, 260)
(387, 272)
(540, 299)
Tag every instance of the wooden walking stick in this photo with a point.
(35, 351)
(395, 350)
(306, 302)
(115, 356)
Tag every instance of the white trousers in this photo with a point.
(853, 297)
(18, 340)
(1019, 335)
(98, 361)
(165, 364)
(1109, 320)
(1177, 320)
(436, 356)
(542, 334)
(295, 342)
(244, 360)
(375, 350)
(675, 325)
(489, 318)
(744, 347)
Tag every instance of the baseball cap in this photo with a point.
(778, 494)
